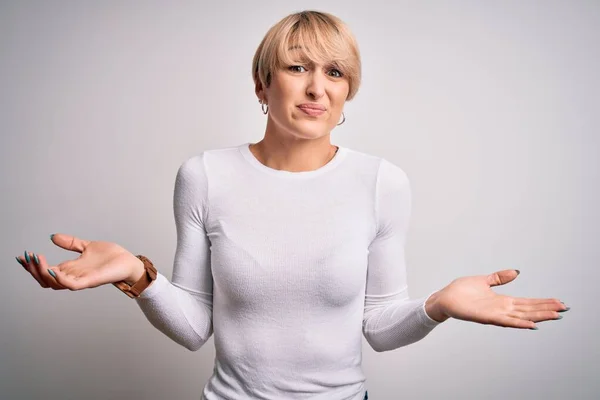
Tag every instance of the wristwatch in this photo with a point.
(145, 281)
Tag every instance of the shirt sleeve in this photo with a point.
(182, 309)
(391, 319)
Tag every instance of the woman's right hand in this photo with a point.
(99, 263)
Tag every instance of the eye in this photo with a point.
(336, 73)
(296, 68)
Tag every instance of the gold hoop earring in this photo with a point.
(344, 120)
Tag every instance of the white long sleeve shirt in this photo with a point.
(288, 269)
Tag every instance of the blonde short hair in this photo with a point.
(322, 38)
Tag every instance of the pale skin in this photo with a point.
(295, 141)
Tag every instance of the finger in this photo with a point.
(502, 277)
(549, 306)
(528, 301)
(27, 262)
(69, 242)
(69, 278)
(539, 316)
(39, 274)
(42, 269)
(513, 322)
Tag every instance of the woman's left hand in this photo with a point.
(472, 299)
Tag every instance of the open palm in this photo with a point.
(99, 263)
(471, 298)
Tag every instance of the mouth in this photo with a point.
(312, 109)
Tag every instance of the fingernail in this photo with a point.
(51, 236)
(27, 256)
(19, 260)
(534, 329)
(518, 272)
(559, 317)
(568, 308)
(51, 273)
(37, 260)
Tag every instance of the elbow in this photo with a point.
(378, 346)
(387, 342)
(389, 339)
(191, 339)
(379, 339)
(379, 349)
(195, 344)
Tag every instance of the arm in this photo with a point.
(433, 307)
(391, 319)
(182, 309)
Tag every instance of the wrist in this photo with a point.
(434, 307)
(137, 272)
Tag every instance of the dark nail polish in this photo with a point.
(27, 257)
(518, 272)
(51, 236)
(568, 308)
(534, 329)
(37, 260)
(52, 273)
(19, 260)
(559, 317)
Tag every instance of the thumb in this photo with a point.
(502, 277)
(69, 242)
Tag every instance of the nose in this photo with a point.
(315, 87)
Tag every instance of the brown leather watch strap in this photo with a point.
(145, 281)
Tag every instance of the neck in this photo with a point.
(293, 154)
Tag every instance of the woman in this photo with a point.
(292, 248)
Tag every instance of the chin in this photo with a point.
(309, 133)
(310, 129)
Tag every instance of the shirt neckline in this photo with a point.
(252, 160)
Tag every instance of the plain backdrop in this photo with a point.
(491, 107)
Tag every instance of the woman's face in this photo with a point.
(306, 100)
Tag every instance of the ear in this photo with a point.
(260, 91)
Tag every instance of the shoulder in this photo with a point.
(389, 176)
(196, 165)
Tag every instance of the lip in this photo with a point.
(312, 106)
(312, 109)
